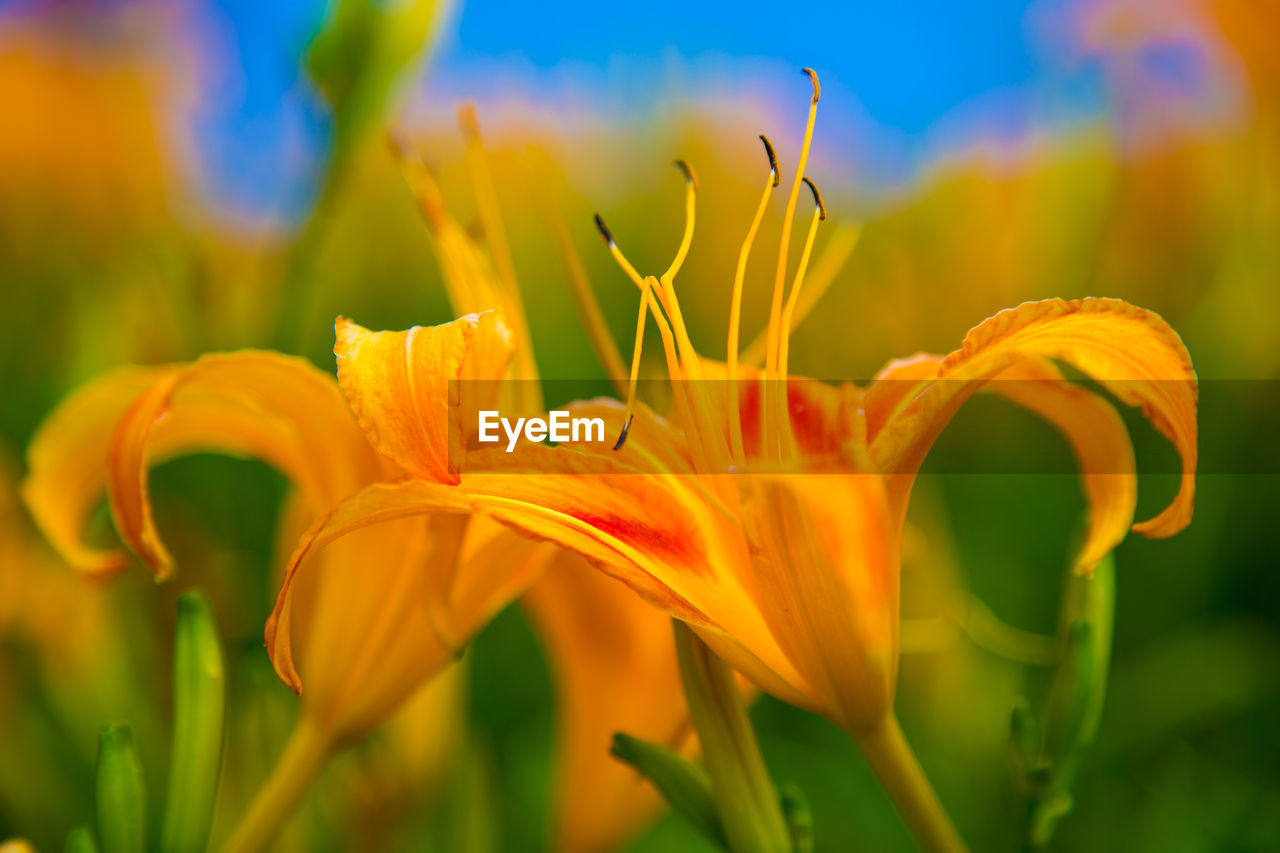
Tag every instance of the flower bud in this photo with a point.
(199, 710)
(121, 798)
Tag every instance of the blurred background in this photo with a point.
(185, 177)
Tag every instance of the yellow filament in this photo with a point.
(709, 435)
(819, 214)
(830, 261)
(647, 301)
(667, 281)
(786, 439)
(698, 412)
(629, 412)
(680, 388)
(735, 307)
(690, 200)
(619, 258)
(775, 306)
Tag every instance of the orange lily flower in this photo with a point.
(767, 514)
(382, 614)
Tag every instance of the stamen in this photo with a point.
(819, 214)
(690, 199)
(622, 437)
(775, 307)
(737, 451)
(656, 291)
(629, 412)
(670, 303)
(786, 438)
(831, 260)
(687, 170)
(709, 433)
(619, 258)
(773, 160)
(682, 392)
(817, 198)
(605, 232)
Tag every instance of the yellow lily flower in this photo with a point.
(767, 513)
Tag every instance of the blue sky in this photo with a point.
(905, 69)
(909, 62)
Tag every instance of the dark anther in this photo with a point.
(687, 171)
(622, 437)
(604, 232)
(813, 78)
(817, 199)
(773, 159)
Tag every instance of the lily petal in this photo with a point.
(1093, 428)
(614, 664)
(1130, 351)
(825, 556)
(373, 630)
(1099, 441)
(404, 386)
(67, 464)
(655, 533)
(273, 407)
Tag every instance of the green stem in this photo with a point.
(303, 758)
(890, 756)
(745, 796)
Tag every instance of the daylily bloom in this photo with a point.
(385, 612)
(767, 513)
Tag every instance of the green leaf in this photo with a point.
(683, 784)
